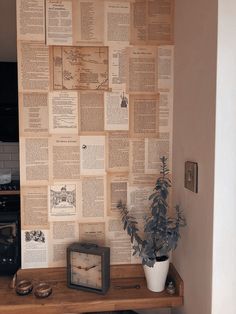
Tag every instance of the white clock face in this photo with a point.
(86, 270)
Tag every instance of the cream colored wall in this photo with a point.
(224, 252)
(8, 30)
(193, 139)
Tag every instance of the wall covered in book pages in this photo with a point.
(96, 95)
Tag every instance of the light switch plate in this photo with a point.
(191, 176)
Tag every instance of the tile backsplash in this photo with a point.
(9, 159)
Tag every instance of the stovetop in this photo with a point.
(12, 186)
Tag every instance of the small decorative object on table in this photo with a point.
(170, 288)
(24, 287)
(161, 232)
(42, 290)
(88, 267)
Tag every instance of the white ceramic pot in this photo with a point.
(156, 275)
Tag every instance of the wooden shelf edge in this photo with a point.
(64, 300)
(9, 193)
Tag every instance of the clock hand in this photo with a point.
(88, 268)
(85, 268)
(79, 267)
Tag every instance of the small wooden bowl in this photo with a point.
(42, 290)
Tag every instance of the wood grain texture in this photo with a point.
(69, 301)
(9, 192)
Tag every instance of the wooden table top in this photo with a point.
(64, 300)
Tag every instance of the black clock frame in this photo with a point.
(93, 249)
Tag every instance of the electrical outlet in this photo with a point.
(191, 176)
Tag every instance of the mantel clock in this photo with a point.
(88, 267)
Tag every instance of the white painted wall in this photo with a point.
(193, 139)
(224, 248)
(8, 30)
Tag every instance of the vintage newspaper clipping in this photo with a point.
(152, 22)
(144, 120)
(33, 114)
(65, 155)
(118, 67)
(92, 233)
(92, 154)
(33, 66)
(117, 23)
(119, 242)
(91, 112)
(34, 244)
(62, 233)
(62, 201)
(59, 22)
(93, 196)
(35, 160)
(63, 112)
(74, 22)
(118, 151)
(30, 20)
(143, 69)
(117, 186)
(154, 150)
(116, 111)
(165, 67)
(34, 207)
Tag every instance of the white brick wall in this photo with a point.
(9, 158)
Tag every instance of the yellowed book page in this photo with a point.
(165, 110)
(65, 155)
(143, 70)
(93, 196)
(142, 179)
(80, 68)
(56, 68)
(33, 114)
(137, 175)
(33, 66)
(144, 115)
(137, 155)
(88, 22)
(92, 232)
(118, 241)
(62, 201)
(34, 157)
(117, 185)
(117, 23)
(118, 151)
(34, 248)
(152, 22)
(139, 207)
(59, 22)
(138, 203)
(62, 234)
(63, 112)
(118, 67)
(34, 207)
(116, 111)
(92, 154)
(91, 112)
(166, 67)
(30, 20)
(154, 150)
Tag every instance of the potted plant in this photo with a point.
(161, 231)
